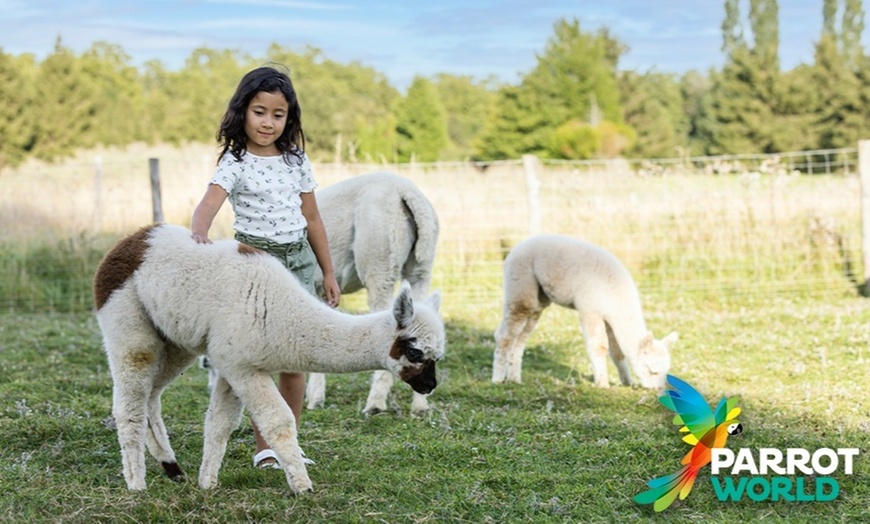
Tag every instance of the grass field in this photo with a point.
(553, 449)
(749, 270)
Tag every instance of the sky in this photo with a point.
(400, 38)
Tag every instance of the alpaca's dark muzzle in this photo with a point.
(422, 380)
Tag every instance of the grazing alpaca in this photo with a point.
(381, 230)
(576, 274)
(162, 299)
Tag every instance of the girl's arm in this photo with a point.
(205, 212)
(320, 246)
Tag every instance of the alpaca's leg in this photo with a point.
(132, 375)
(173, 362)
(618, 358)
(505, 337)
(595, 333)
(223, 416)
(420, 279)
(380, 282)
(515, 359)
(419, 404)
(212, 372)
(376, 402)
(315, 390)
(275, 421)
(128, 411)
(510, 343)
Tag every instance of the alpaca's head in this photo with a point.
(419, 340)
(653, 361)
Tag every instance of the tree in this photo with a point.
(574, 79)
(467, 104)
(653, 106)
(739, 114)
(338, 101)
(16, 131)
(65, 93)
(839, 118)
(508, 132)
(421, 123)
(119, 115)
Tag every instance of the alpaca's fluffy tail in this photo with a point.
(426, 221)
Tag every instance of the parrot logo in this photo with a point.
(706, 430)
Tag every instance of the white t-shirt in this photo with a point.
(265, 194)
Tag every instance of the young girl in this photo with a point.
(264, 171)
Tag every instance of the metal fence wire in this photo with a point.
(711, 228)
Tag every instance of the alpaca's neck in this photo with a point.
(628, 329)
(323, 340)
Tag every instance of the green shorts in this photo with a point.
(297, 256)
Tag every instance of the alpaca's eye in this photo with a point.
(414, 355)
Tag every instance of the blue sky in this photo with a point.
(400, 38)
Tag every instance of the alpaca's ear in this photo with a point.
(669, 340)
(403, 306)
(434, 300)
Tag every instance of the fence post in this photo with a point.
(156, 205)
(533, 186)
(864, 172)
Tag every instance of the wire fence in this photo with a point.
(726, 228)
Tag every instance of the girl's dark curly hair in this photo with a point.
(231, 134)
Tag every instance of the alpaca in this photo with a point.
(547, 269)
(381, 229)
(162, 299)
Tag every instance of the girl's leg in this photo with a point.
(292, 389)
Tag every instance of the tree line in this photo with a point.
(575, 103)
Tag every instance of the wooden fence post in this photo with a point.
(864, 172)
(533, 186)
(156, 205)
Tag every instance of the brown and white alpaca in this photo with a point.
(382, 229)
(162, 300)
(547, 269)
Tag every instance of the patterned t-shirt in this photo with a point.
(265, 194)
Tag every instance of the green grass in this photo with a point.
(553, 449)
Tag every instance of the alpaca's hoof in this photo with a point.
(207, 482)
(301, 485)
(173, 471)
(315, 403)
(374, 410)
(419, 409)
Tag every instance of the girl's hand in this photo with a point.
(201, 239)
(331, 290)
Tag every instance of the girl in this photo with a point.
(265, 173)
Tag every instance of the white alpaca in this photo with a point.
(381, 230)
(162, 299)
(576, 274)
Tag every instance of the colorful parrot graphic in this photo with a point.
(707, 430)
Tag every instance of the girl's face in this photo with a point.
(265, 120)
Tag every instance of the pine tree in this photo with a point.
(421, 123)
(739, 115)
(840, 118)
